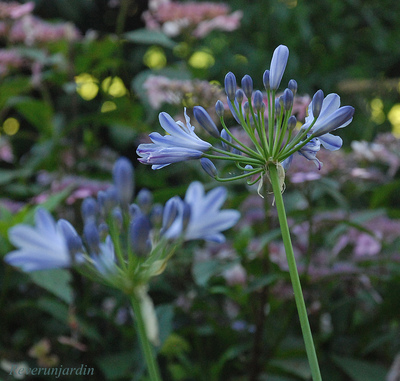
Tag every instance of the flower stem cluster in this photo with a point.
(124, 244)
(269, 125)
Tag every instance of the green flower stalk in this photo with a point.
(268, 122)
(124, 244)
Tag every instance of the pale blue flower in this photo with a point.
(180, 144)
(104, 260)
(40, 247)
(310, 150)
(331, 117)
(206, 220)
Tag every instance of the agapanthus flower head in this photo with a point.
(270, 128)
(123, 244)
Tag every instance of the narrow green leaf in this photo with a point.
(359, 370)
(149, 37)
(56, 281)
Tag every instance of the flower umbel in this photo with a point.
(123, 244)
(266, 119)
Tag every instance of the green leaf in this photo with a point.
(12, 87)
(117, 365)
(359, 370)
(7, 176)
(165, 315)
(54, 308)
(56, 281)
(35, 111)
(203, 271)
(149, 37)
(294, 366)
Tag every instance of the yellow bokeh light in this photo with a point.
(86, 86)
(11, 126)
(155, 58)
(394, 119)
(114, 86)
(201, 60)
(377, 114)
(240, 59)
(108, 106)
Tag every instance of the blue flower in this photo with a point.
(331, 117)
(41, 247)
(104, 261)
(181, 144)
(310, 150)
(206, 220)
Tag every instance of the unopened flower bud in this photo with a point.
(72, 239)
(103, 231)
(278, 107)
(292, 85)
(133, 210)
(287, 99)
(292, 123)
(139, 233)
(205, 121)
(123, 179)
(117, 218)
(247, 86)
(230, 86)
(258, 100)
(278, 65)
(209, 167)
(266, 80)
(91, 234)
(156, 214)
(186, 213)
(317, 100)
(219, 108)
(89, 209)
(227, 137)
(239, 95)
(170, 212)
(144, 199)
(107, 200)
(246, 108)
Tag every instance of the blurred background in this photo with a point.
(82, 83)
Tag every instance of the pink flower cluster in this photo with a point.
(161, 90)
(15, 10)
(31, 30)
(200, 19)
(10, 58)
(18, 25)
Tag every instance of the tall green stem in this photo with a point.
(294, 276)
(147, 349)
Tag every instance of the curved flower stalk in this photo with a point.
(274, 140)
(125, 244)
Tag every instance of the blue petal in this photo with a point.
(331, 142)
